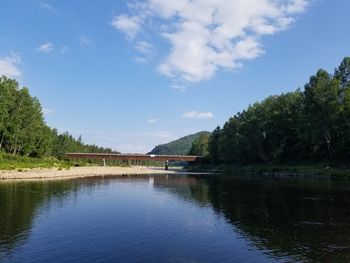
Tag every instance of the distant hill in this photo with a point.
(178, 147)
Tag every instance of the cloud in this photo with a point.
(297, 6)
(144, 47)
(130, 25)
(179, 87)
(9, 66)
(140, 60)
(198, 115)
(47, 111)
(49, 8)
(206, 36)
(46, 48)
(49, 48)
(85, 41)
(152, 120)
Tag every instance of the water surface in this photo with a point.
(175, 219)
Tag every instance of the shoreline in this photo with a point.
(83, 172)
(282, 170)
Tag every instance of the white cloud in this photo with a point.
(47, 111)
(85, 41)
(49, 8)
(130, 25)
(46, 48)
(198, 115)
(140, 60)
(207, 35)
(297, 6)
(144, 47)
(152, 120)
(9, 66)
(178, 86)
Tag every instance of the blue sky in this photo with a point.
(133, 74)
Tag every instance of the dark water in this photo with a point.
(175, 219)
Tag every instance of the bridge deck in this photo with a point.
(136, 157)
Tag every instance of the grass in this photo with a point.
(317, 169)
(20, 163)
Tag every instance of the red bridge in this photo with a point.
(134, 157)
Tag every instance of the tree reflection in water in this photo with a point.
(304, 219)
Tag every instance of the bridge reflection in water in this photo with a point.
(133, 157)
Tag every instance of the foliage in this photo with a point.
(23, 131)
(12, 162)
(200, 145)
(178, 147)
(313, 125)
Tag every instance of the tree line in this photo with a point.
(312, 124)
(23, 130)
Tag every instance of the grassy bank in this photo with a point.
(21, 163)
(319, 169)
(14, 162)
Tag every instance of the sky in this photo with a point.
(131, 74)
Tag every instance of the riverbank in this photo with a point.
(15, 162)
(331, 170)
(81, 172)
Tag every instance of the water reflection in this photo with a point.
(21, 202)
(289, 219)
(306, 219)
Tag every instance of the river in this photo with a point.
(175, 218)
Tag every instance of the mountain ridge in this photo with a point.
(180, 146)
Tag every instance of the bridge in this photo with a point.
(134, 157)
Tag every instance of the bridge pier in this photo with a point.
(166, 165)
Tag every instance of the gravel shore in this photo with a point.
(80, 172)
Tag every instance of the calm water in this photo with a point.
(175, 219)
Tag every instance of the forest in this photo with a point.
(23, 131)
(309, 125)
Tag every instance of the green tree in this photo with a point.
(200, 145)
(8, 88)
(301, 125)
(213, 145)
(26, 120)
(23, 130)
(322, 106)
(342, 73)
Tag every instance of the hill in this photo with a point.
(178, 147)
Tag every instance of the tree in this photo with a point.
(25, 121)
(301, 125)
(8, 89)
(213, 142)
(342, 73)
(23, 130)
(322, 106)
(200, 146)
